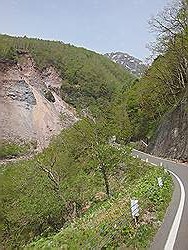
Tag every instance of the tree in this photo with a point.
(171, 22)
(171, 26)
(88, 141)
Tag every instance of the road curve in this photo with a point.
(173, 233)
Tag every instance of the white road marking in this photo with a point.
(175, 226)
(153, 164)
(176, 223)
(156, 157)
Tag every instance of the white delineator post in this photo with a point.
(160, 182)
(135, 209)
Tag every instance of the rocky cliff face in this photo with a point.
(30, 106)
(172, 135)
(132, 64)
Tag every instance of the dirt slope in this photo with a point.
(30, 108)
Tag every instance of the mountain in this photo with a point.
(132, 64)
(42, 83)
(70, 194)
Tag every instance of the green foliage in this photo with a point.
(166, 81)
(159, 90)
(39, 196)
(104, 226)
(88, 79)
(10, 149)
(42, 195)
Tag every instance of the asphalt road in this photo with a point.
(173, 233)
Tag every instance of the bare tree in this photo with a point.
(169, 23)
(52, 175)
(171, 27)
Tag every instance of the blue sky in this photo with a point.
(100, 25)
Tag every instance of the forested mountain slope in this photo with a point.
(47, 86)
(85, 168)
(82, 168)
(87, 77)
(163, 88)
(41, 82)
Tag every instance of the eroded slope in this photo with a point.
(30, 106)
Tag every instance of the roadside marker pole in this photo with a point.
(135, 210)
(160, 182)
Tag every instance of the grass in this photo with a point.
(11, 149)
(110, 225)
(36, 206)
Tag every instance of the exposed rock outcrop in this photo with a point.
(22, 92)
(172, 135)
(30, 107)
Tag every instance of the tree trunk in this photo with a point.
(106, 183)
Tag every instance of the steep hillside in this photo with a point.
(77, 191)
(79, 186)
(41, 79)
(157, 109)
(157, 103)
(130, 63)
(31, 109)
(171, 138)
(40, 82)
(87, 78)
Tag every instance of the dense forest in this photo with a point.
(87, 77)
